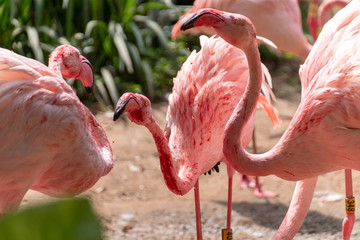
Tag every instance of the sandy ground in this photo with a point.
(133, 201)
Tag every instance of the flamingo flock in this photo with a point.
(53, 144)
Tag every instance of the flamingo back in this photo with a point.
(279, 21)
(328, 117)
(335, 57)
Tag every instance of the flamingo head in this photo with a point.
(236, 29)
(137, 107)
(73, 65)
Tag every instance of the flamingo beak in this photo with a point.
(193, 20)
(121, 106)
(87, 75)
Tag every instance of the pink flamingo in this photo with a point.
(205, 92)
(322, 137)
(278, 21)
(51, 142)
(66, 61)
(319, 16)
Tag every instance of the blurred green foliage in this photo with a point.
(67, 219)
(127, 41)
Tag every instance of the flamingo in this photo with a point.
(50, 142)
(322, 136)
(205, 92)
(75, 65)
(319, 16)
(278, 21)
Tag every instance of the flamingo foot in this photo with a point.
(261, 193)
(348, 224)
(247, 182)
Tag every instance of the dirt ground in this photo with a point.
(134, 203)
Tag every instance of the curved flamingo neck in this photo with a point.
(55, 63)
(177, 184)
(233, 150)
(326, 8)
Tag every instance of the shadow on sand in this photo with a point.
(270, 215)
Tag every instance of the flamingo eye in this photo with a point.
(237, 21)
(147, 103)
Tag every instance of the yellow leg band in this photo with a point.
(227, 234)
(350, 205)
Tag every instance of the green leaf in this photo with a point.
(69, 219)
(35, 43)
(156, 28)
(104, 96)
(120, 43)
(110, 84)
(137, 34)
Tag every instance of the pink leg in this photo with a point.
(227, 233)
(197, 211)
(258, 191)
(349, 218)
(228, 222)
(246, 181)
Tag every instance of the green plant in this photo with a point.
(127, 41)
(67, 219)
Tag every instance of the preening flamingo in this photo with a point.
(205, 92)
(278, 21)
(66, 61)
(323, 134)
(50, 142)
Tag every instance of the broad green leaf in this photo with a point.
(35, 43)
(156, 28)
(103, 93)
(68, 219)
(137, 34)
(110, 84)
(120, 43)
(148, 78)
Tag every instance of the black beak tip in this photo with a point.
(116, 115)
(118, 111)
(187, 25)
(89, 90)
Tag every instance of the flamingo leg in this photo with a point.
(349, 218)
(258, 191)
(227, 233)
(228, 220)
(197, 211)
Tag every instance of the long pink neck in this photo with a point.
(177, 184)
(55, 63)
(234, 152)
(326, 8)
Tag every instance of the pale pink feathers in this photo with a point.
(50, 141)
(206, 91)
(279, 21)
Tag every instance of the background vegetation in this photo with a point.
(62, 220)
(127, 41)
